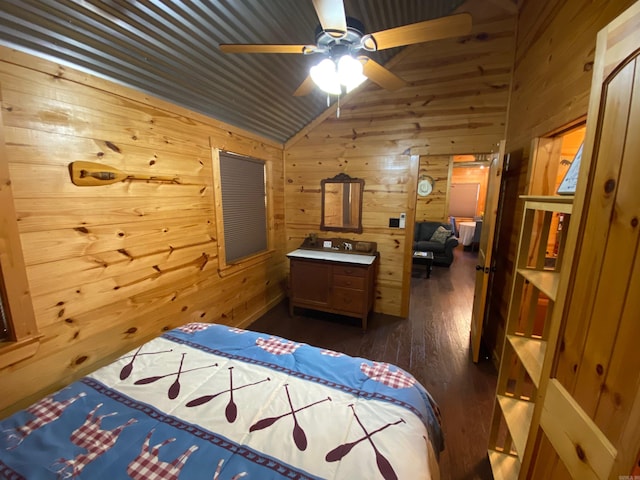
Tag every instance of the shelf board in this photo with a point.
(544, 280)
(549, 204)
(504, 466)
(517, 414)
(531, 352)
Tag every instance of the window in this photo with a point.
(241, 208)
(463, 199)
(19, 338)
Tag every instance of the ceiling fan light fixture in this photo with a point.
(348, 67)
(330, 77)
(350, 72)
(355, 82)
(325, 76)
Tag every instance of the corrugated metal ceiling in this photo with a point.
(169, 49)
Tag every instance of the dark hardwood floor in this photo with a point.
(432, 344)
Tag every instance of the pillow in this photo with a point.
(440, 235)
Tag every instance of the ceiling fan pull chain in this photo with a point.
(338, 109)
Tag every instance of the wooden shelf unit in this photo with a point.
(527, 335)
(545, 281)
(586, 403)
(531, 352)
(504, 466)
(517, 414)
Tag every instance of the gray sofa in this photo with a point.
(442, 251)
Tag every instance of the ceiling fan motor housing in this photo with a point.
(337, 43)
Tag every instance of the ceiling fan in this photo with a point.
(341, 41)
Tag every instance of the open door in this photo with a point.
(483, 267)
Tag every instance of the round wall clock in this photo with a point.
(425, 186)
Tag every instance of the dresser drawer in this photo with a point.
(347, 281)
(348, 300)
(349, 271)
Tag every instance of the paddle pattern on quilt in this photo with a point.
(211, 401)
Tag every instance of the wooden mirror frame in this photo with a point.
(356, 226)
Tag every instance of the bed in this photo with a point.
(207, 401)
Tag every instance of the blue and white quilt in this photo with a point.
(208, 401)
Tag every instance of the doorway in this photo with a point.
(468, 196)
(472, 171)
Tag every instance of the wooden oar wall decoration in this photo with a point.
(90, 174)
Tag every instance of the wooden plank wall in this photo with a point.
(456, 103)
(435, 206)
(111, 266)
(551, 82)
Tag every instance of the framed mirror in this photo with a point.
(342, 204)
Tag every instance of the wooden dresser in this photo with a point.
(335, 282)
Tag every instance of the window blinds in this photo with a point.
(244, 205)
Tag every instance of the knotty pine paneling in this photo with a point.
(111, 266)
(435, 206)
(383, 198)
(554, 57)
(455, 103)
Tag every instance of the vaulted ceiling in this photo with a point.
(169, 49)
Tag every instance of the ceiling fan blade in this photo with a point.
(444, 27)
(305, 88)
(265, 48)
(381, 76)
(332, 17)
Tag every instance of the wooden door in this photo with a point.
(591, 407)
(484, 266)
